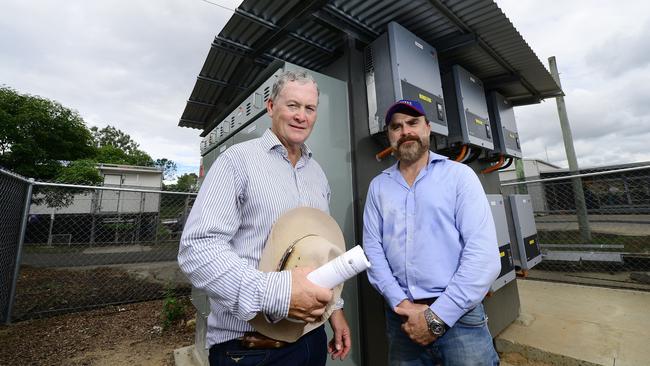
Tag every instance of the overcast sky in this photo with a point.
(132, 64)
(603, 55)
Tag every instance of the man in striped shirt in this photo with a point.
(248, 187)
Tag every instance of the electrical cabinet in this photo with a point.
(504, 126)
(526, 250)
(507, 273)
(253, 130)
(399, 65)
(469, 121)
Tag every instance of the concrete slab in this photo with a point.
(569, 324)
(186, 357)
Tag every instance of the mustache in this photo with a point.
(408, 138)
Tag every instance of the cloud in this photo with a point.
(604, 67)
(131, 64)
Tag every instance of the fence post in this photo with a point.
(19, 252)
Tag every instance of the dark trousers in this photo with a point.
(309, 350)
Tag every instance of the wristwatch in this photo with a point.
(436, 326)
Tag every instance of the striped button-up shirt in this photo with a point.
(247, 188)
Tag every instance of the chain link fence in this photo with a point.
(14, 191)
(86, 246)
(599, 238)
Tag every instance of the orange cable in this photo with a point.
(494, 167)
(461, 156)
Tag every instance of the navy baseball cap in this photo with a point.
(410, 105)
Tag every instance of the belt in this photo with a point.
(427, 301)
(256, 340)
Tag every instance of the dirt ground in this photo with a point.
(129, 334)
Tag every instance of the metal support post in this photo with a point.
(19, 251)
(521, 176)
(581, 208)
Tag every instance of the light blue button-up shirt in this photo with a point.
(433, 239)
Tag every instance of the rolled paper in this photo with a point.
(340, 269)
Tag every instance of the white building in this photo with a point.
(105, 201)
(532, 171)
(100, 215)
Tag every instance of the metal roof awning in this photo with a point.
(474, 34)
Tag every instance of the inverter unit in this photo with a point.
(469, 121)
(399, 65)
(507, 273)
(526, 250)
(504, 126)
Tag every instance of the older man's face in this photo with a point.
(293, 112)
(409, 136)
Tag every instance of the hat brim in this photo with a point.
(290, 227)
(399, 107)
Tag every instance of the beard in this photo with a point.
(410, 152)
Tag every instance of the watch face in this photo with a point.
(436, 328)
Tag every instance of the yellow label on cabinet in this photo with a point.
(531, 241)
(502, 254)
(479, 122)
(425, 98)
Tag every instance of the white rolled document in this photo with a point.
(340, 269)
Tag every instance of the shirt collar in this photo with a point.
(432, 157)
(270, 141)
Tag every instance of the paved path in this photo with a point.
(568, 324)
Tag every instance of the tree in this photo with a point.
(80, 172)
(110, 154)
(187, 183)
(38, 135)
(167, 166)
(114, 146)
(110, 135)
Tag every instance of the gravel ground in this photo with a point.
(117, 335)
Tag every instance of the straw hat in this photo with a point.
(301, 237)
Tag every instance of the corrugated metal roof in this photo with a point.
(472, 33)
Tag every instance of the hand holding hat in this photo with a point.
(308, 301)
(301, 239)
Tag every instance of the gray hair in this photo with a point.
(301, 77)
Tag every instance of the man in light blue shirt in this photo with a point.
(429, 234)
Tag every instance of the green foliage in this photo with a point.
(37, 135)
(41, 139)
(80, 172)
(114, 146)
(185, 183)
(110, 154)
(167, 166)
(111, 136)
(173, 309)
(164, 233)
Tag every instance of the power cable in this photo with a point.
(219, 5)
